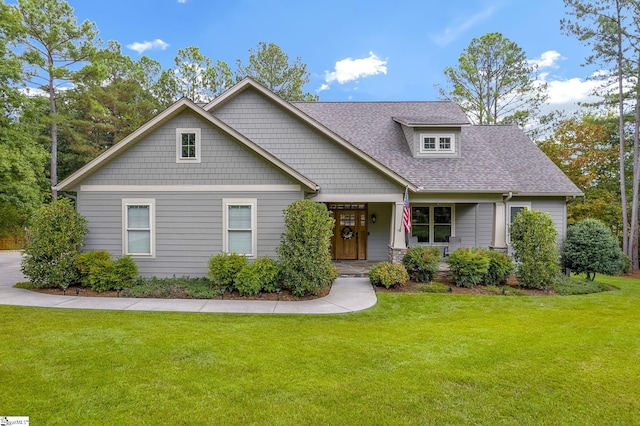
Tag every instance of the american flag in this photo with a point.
(406, 212)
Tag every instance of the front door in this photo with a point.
(346, 235)
(350, 231)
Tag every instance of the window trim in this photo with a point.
(179, 133)
(432, 223)
(253, 202)
(524, 204)
(437, 149)
(151, 202)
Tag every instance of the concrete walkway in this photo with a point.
(346, 295)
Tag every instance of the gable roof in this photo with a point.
(248, 83)
(178, 107)
(495, 158)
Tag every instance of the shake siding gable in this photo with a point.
(152, 161)
(300, 146)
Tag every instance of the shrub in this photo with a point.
(248, 281)
(224, 267)
(304, 250)
(533, 237)
(468, 267)
(388, 274)
(197, 288)
(499, 270)
(102, 275)
(568, 286)
(84, 261)
(268, 272)
(626, 264)
(56, 233)
(421, 263)
(590, 247)
(98, 271)
(125, 270)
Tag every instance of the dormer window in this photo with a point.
(188, 145)
(437, 143)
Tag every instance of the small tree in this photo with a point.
(304, 249)
(590, 248)
(533, 236)
(56, 234)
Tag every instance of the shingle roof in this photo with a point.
(494, 158)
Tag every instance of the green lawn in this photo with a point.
(412, 359)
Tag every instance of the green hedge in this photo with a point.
(468, 267)
(421, 263)
(388, 274)
(223, 269)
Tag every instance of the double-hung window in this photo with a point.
(432, 224)
(437, 143)
(138, 218)
(240, 235)
(188, 145)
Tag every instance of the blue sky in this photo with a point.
(354, 50)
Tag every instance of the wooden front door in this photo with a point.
(350, 232)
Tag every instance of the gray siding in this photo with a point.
(224, 161)
(188, 227)
(557, 209)
(302, 147)
(484, 225)
(378, 243)
(465, 217)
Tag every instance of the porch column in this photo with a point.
(397, 242)
(499, 240)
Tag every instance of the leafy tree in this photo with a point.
(22, 158)
(195, 76)
(113, 98)
(585, 150)
(533, 237)
(611, 28)
(591, 248)
(304, 249)
(52, 45)
(270, 66)
(493, 82)
(56, 233)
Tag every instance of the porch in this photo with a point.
(360, 268)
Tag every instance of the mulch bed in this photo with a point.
(413, 287)
(285, 295)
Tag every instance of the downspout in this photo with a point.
(509, 197)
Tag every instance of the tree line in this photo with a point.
(67, 96)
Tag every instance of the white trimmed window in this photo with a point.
(437, 143)
(239, 221)
(188, 145)
(138, 227)
(512, 211)
(432, 224)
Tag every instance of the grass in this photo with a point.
(412, 359)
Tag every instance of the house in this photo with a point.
(197, 180)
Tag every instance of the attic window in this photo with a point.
(437, 143)
(188, 145)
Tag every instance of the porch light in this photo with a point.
(373, 218)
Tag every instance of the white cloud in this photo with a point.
(146, 45)
(182, 1)
(350, 69)
(548, 59)
(459, 26)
